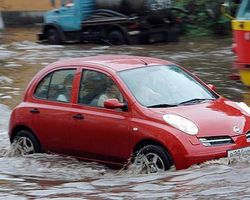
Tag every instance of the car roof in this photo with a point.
(113, 62)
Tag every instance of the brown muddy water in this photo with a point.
(45, 176)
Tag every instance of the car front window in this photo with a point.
(164, 86)
(97, 87)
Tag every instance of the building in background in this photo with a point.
(25, 12)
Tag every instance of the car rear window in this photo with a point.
(56, 86)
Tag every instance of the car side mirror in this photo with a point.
(211, 87)
(113, 104)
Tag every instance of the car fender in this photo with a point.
(168, 137)
(17, 119)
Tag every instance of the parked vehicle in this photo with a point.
(115, 107)
(241, 46)
(110, 21)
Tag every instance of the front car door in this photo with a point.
(100, 133)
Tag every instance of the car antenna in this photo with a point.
(144, 62)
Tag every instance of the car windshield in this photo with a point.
(165, 86)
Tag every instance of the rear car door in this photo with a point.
(51, 109)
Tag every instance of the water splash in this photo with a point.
(43, 176)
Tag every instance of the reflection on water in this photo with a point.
(45, 176)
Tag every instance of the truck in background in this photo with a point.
(111, 21)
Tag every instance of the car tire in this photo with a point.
(116, 37)
(152, 159)
(25, 143)
(53, 36)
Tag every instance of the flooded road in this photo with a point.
(44, 176)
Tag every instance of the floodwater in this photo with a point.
(45, 176)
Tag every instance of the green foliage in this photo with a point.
(202, 17)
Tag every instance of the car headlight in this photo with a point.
(243, 107)
(181, 123)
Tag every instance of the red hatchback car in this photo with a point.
(109, 108)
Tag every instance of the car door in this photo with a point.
(99, 133)
(51, 109)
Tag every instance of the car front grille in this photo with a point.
(248, 136)
(216, 141)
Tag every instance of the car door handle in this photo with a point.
(78, 116)
(35, 111)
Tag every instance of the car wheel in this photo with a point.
(25, 143)
(53, 37)
(152, 159)
(117, 38)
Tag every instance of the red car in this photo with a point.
(109, 108)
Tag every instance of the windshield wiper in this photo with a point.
(161, 106)
(194, 101)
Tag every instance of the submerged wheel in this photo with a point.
(25, 143)
(53, 36)
(152, 159)
(117, 38)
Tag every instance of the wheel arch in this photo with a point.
(117, 27)
(19, 128)
(146, 142)
(59, 29)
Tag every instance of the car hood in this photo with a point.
(216, 118)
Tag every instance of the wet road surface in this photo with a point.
(45, 176)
